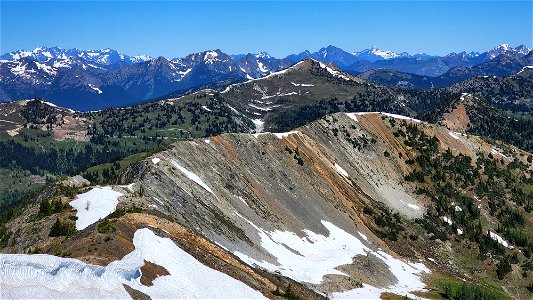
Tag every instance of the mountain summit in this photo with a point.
(341, 58)
(375, 53)
(507, 49)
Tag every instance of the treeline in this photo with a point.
(55, 160)
(38, 113)
(12, 198)
(511, 129)
(506, 93)
(188, 120)
(444, 177)
(487, 121)
(435, 112)
(367, 99)
(467, 292)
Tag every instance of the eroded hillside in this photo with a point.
(349, 206)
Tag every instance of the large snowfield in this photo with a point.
(40, 276)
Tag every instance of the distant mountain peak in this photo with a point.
(503, 47)
(160, 58)
(263, 55)
(330, 47)
(374, 53)
(105, 56)
(40, 48)
(210, 55)
(506, 48)
(140, 58)
(523, 49)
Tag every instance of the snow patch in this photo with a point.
(140, 58)
(192, 176)
(48, 69)
(401, 117)
(413, 206)
(494, 151)
(352, 116)
(500, 240)
(242, 200)
(99, 91)
(453, 135)
(227, 89)
(309, 258)
(363, 236)
(408, 275)
(94, 205)
(129, 187)
(261, 67)
(259, 125)
(302, 84)
(341, 171)
(524, 69)
(19, 70)
(184, 73)
(335, 73)
(279, 95)
(210, 56)
(50, 104)
(281, 135)
(61, 64)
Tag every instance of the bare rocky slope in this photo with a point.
(325, 210)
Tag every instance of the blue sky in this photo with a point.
(177, 28)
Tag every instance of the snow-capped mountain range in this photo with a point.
(344, 59)
(94, 79)
(87, 80)
(103, 57)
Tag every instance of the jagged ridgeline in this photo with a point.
(464, 75)
(337, 205)
(97, 79)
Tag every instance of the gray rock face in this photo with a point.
(76, 181)
(241, 190)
